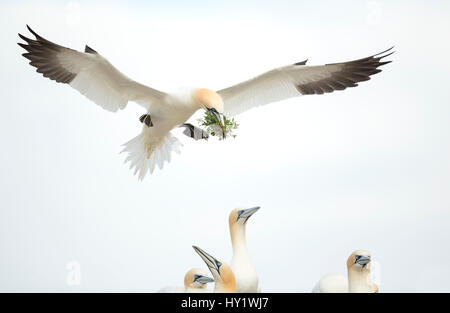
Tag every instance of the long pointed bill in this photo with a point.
(203, 279)
(363, 260)
(247, 213)
(210, 261)
(219, 117)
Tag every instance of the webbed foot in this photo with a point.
(146, 119)
(194, 132)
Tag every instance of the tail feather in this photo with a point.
(145, 152)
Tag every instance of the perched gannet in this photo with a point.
(358, 266)
(357, 280)
(221, 271)
(241, 263)
(93, 76)
(195, 280)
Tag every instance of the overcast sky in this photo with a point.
(365, 168)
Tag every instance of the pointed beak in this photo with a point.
(210, 261)
(362, 260)
(203, 279)
(218, 116)
(248, 212)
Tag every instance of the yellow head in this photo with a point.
(221, 271)
(208, 100)
(196, 278)
(359, 261)
(237, 221)
(240, 217)
(358, 265)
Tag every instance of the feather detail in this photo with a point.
(145, 152)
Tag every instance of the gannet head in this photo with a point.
(209, 100)
(221, 271)
(358, 265)
(196, 278)
(239, 217)
(359, 261)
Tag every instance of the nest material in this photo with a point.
(214, 127)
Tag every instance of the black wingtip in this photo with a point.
(88, 49)
(35, 34)
(27, 40)
(19, 43)
(23, 45)
(386, 55)
(387, 50)
(384, 63)
(301, 63)
(31, 31)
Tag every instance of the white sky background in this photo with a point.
(364, 168)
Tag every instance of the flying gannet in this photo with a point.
(241, 263)
(225, 281)
(96, 78)
(358, 279)
(195, 280)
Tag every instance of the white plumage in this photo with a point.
(331, 283)
(358, 278)
(96, 78)
(146, 151)
(241, 263)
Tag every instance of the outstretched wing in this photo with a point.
(299, 79)
(88, 72)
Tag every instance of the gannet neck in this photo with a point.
(241, 262)
(238, 238)
(226, 281)
(224, 288)
(359, 281)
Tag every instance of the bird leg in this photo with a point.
(194, 132)
(146, 119)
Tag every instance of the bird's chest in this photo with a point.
(246, 276)
(360, 288)
(169, 115)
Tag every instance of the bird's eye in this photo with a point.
(218, 264)
(239, 213)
